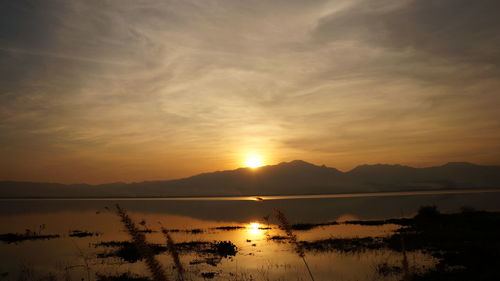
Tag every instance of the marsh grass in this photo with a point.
(126, 276)
(82, 233)
(287, 227)
(404, 263)
(139, 240)
(27, 235)
(86, 261)
(172, 249)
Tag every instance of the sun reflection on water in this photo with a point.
(255, 230)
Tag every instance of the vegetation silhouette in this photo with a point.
(287, 227)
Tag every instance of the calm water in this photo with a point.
(258, 257)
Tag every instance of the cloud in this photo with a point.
(461, 30)
(148, 87)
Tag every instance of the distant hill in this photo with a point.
(288, 178)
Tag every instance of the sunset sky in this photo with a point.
(102, 91)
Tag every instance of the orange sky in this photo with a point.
(130, 91)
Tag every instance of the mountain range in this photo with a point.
(288, 178)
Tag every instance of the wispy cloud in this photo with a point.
(134, 90)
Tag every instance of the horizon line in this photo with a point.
(255, 169)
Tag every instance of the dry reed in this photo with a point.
(139, 240)
(405, 264)
(287, 227)
(85, 260)
(174, 254)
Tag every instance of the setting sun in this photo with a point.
(254, 161)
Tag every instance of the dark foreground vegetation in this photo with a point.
(466, 244)
(38, 235)
(27, 235)
(209, 252)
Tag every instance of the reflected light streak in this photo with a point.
(255, 230)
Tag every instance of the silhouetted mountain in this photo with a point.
(288, 178)
(450, 175)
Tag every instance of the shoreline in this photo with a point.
(268, 197)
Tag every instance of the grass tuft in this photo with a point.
(172, 249)
(139, 241)
(287, 227)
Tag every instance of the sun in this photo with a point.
(254, 161)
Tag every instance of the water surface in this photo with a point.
(258, 255)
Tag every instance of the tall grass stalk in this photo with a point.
(287, 227)
(405, 264)
(139, 240)
(174, 254)
(85, 260)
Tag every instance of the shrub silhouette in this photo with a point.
(428, 212)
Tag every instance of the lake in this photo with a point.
(92, 241)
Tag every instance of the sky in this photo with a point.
(101, 91)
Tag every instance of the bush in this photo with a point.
(428, 212)
(225, 248)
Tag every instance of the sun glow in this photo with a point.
(254, 161)
(255, 230)
(254, 225)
